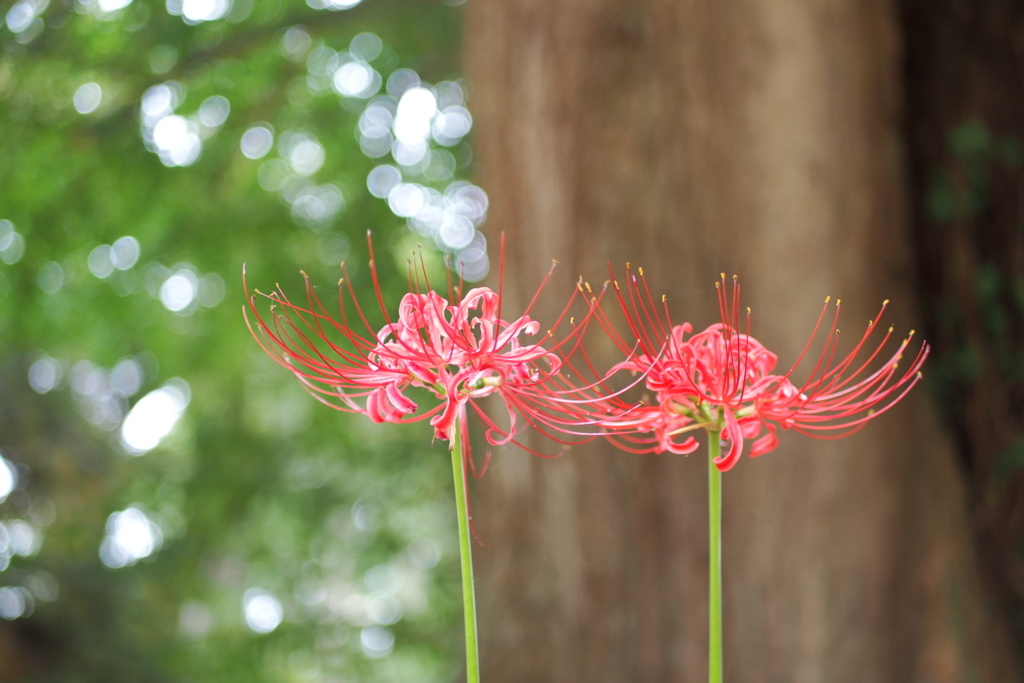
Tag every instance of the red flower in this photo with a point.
(721, 380)
(458, 352)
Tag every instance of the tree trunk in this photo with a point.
(759, 138)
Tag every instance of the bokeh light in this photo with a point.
(8, 478)
(12, 244)
(154, 416)
(376, 641)
(258, 140)
(88, 98)
(262, 610)
(45, 374)
(131, 536)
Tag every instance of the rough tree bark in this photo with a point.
(758, 138)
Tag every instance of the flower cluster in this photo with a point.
(459, 349)
(721, 380)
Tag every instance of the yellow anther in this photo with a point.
(641, 271)
(827, 298)
(870, 323)
(555, 261)
(890, 328)
(838, 301)
(572, 320)
(885, 303)
(919, 375)
(911, 333)
(735, 277)
(723, 276)
(303, 273)
(627, 265)
(748, 310)
(588, 287)
(663, 298)
(340, 281)
(616, 282)
(718, 285)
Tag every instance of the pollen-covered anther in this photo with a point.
(664, 298)
(885, 303)
(838, 301)
(827, 299)
(588, 287)
(640, 270)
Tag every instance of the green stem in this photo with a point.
(466, 555)
(715, 557)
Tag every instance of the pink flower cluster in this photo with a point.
(459, 349)
(721, 380)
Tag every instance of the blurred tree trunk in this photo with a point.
(760, 138)
(965, 134)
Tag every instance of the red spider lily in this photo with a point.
(458, 352)
(721, 380)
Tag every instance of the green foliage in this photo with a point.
(966, 193)
(257, 486)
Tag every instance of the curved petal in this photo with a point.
(734, 433)
(684, 448)
(400, 401)
(766, 443)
